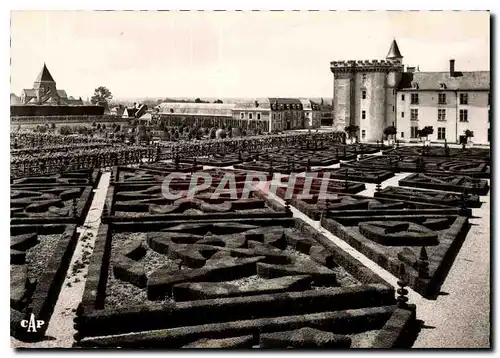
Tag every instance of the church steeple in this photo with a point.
(394, 53)
(43, 77)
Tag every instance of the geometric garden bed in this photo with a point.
(425, 243)
(454, 183)
(39, 258)
(233, 283)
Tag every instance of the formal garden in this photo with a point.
(228, 262)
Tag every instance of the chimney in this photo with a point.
(452, 68)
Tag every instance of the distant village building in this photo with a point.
(379, 93)
(267, 114)
(192, 114)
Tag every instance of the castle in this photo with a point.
(376, 94)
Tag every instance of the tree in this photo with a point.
(468, 134)
(425, 132)
(101, 96)
(391, 130)
(52, 126)
(197, 100)
(212, 133)
(351, 130)
(42, 129)
(65, 130)
(218, 101)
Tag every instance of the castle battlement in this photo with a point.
(366, 65)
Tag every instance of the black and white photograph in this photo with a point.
(250, 179)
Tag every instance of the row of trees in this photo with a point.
(352, 130)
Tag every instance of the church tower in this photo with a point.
(364, 94)
(45, 86)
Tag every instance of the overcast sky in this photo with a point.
(231, 54)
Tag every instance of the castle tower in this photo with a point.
(364, 94)
(392, 82)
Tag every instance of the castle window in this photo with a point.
(414, 98)
(363, 94)
(414, 132)
(242, 115)
(363, 133)
(363, 77)
(441, 133)
(402, 114)
(363, 114)
(402, 134)
(442, 98)
(403, 97)
(258, 115)
(464, 98)
(441, 114)
(414, 114)
(250, 115)
(392, 108)
(464, 114)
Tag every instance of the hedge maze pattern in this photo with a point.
(232, 283)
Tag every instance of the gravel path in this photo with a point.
(60, 329)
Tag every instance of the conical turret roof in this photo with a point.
(394, 51)
(44, 75)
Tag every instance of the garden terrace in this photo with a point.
(427, 196)
(253, 144)
(316, 185)
(233, 283)
(57, 149)
(475, 168)
(80, 159)
(75, 178)
(39, 258)
(435, 151)
(49, 204)
(317, 207)
(131, 201)
(156, 174)
(219, 160)
(355, 174)
(425, 243)
(447, 182)
(270, 167)
(31, 140)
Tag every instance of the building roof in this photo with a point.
(29, 92)
(51, 100)
(309, 104)
(209, 109)
(62, 94)
(394, 52)
(14, 99)
(256, 103)
(476, 80)
(44, 75)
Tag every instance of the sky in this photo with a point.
(231, 54)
